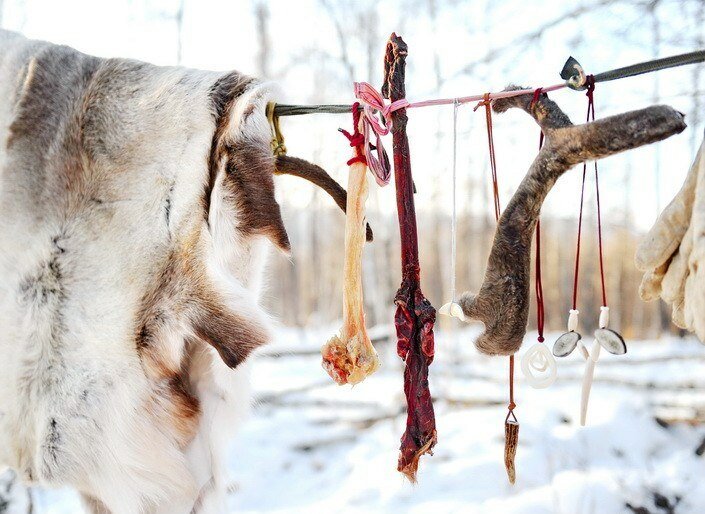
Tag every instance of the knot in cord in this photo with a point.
(373, 104)
(590, 85)
(356, 139)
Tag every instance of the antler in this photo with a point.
(503, 301)
(286, 165)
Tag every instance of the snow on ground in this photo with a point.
(314, 447)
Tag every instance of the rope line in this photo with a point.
(486, 102)
(590, 112)
(453, 219)
(540, 314)
(640, 68)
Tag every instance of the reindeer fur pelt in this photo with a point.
(136, 204)
(502, 303)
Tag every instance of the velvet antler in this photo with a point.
(286, 165)
(503, 301)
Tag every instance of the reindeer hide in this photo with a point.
(135, 206)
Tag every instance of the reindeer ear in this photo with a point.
(244, 162)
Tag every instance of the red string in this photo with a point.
(539, 284)
(537, 94)
(577, 250)
(599, 240)
(511, 405)
(357, 139)
(487, 103)
(590, 82)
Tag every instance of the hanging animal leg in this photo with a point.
(502, 303)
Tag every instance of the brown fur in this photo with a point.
(249, 168)
(249, 179)
(176, 401)
(223, 93)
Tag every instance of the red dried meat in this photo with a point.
(415, 315)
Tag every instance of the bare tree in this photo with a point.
(179, 17)
(264, 53)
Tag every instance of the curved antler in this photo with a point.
(503, 301)
(286, 165)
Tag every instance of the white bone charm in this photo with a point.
(583, 350)
(604, 316)
(588, 375)
(573, 320)
(539, 366)
(610, 341)
(567, 342)
(453, 310)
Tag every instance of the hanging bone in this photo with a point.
(503, 301)
(349, 357)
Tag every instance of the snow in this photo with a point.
(331, 448)
(311, 446)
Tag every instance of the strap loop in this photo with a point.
(373, 103)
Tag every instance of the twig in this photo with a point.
(287, 165)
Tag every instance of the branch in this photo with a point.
(285, 165)
(503, 301)
(529, 39)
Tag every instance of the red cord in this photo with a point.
(591, 113)
(357, 139)
(577, 249)
(487, 103)
(590, 81)
(539, 284)
(599, 240)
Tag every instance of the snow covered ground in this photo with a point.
(311, 446)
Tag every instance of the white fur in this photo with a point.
(88, 382)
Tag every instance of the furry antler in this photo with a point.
(286, 165)
(503, 301)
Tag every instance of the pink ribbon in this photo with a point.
(372, 104)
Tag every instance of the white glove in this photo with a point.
(671, 253)
(694, 299)
(667, 233)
